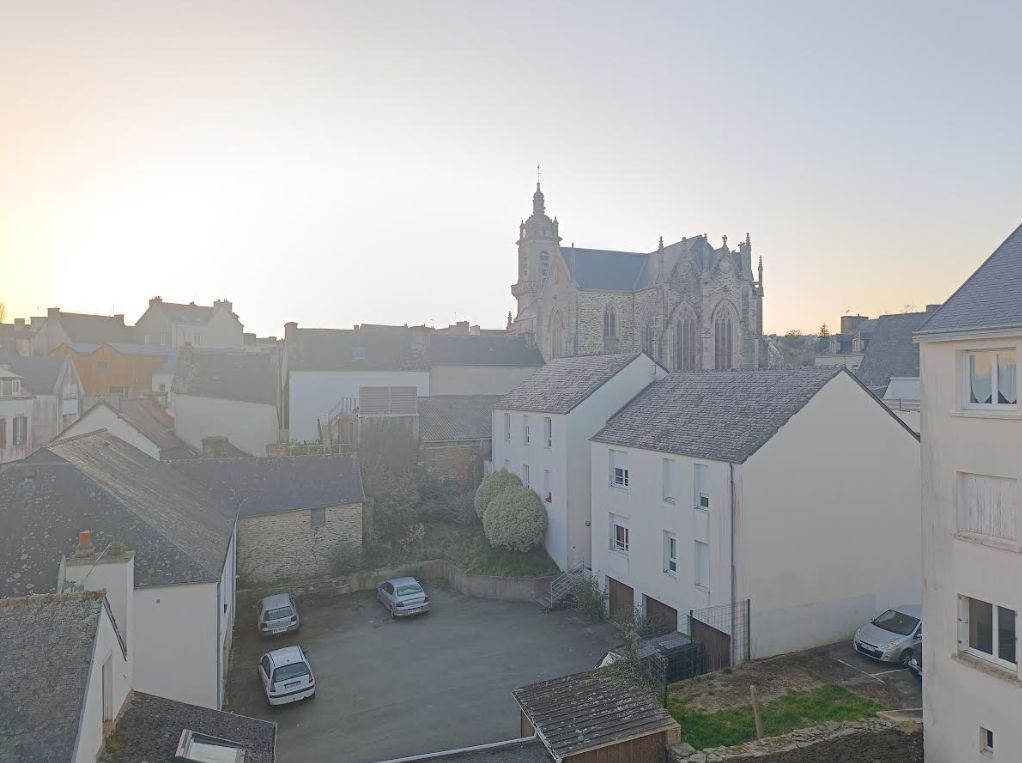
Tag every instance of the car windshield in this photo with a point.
(896, 622)
(408, 590)
(286, 672)
(278, 614)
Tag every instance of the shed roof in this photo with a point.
(251, 377)
(891, 351)
(563, 383)
(454, 418)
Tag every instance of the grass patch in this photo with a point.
(794, 710)
(467, 547)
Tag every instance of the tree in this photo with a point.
(515, 520)
(823, 339)
(493, 484)
(3, 312)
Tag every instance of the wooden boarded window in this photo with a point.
(988, 506)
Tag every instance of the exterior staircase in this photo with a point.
(563, 587)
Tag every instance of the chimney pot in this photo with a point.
(85, 540)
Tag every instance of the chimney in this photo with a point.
(52, 312)
(119, 317)
(289, 330)
(155, 301)
(19, 322)
(932, 308)
(224, 303)
(111, 569)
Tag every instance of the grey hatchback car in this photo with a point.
(278, 614)
(894, 636)
(403, 597)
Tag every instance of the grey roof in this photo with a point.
(563, 383)
(39, 375)
(179, 533)
(82, 327)
(590, 710)
(149, 729)
(609, 270)
(990, 299)
(719, 415)
(45, 662)
(262, 486)
(454, 418)
(251, 377)
(481, 350)
(177, 312)
(368, 348)
(891, 351)
(149, 419)
(124, 348)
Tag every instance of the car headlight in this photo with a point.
(891, 644)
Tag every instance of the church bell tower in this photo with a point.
(538, 241)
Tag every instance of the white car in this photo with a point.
(286, 676)
(403, 597)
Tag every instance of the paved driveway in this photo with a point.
(896, 687)
(390, 688)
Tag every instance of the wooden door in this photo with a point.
(622, 598)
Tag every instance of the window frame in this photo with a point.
(964, 634)
(526, 475)
(526, 431)
(698, 484)
(620, 481)
(994, 404)
(618, 522)
(703, 585)
(507, 426)
(548, 432)
(669, 477)
(670, 560)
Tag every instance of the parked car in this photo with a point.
(403, 597)
(278, 614)
(915, 665)
(286, 676)
(894, 636)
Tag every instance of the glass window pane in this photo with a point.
(1007, 378)
(980, 380)
(1006, 634)
(981, 626)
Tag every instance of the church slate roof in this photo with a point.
(609, 270)
(386, 348)
(250, 377)
(39, 375)
(891, 351)
(265, 486)
(718, 415)
(455, 418)
(45, 662)
(180, 533)
(563, 383)
(150, 727)
(990, 299)
(481, 350)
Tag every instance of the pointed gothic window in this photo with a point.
(685, 344)
(609, 322)
(651, 340)
(544, 264)
(723, 341)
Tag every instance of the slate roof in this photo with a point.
(179, 533)
(610, 270)
(718, 415)
(39, 375)
(990, 299)
(177, 312)
(45, 662)
(455, 418)
(590, 710)
(563, 383)
(149, 419)
(150, 727)
(263, 486)
(82, 327)
(377, 348)
(251, 377)
(481, 350)
(891, 351)
(124, 348)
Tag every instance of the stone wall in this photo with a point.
(872, 741)
(294, 545)
(462, 461)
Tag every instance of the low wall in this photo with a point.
(873, 739)
(493, 587)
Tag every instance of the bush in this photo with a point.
(494, 484)
(395, 512)
(590, 599)
(515, 519)
(443, 500)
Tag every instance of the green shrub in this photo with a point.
(395, 512)
(515, 519)
(494, 484)
(590, 599)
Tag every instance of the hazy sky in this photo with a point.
(335, 163)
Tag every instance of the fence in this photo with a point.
(722, 630)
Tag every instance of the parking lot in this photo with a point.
(390, 688)
(896, 687)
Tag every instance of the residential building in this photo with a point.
(184, 571)
(56, 390)
(60, 328)
(455, 435)
(16, 337)
(479, 364)
(175, 325)
(143, 423)
(689, 305)
(972, 438)
(114, 371)
(16, 406)
(793, 489)
(227, 393)
(541, 432)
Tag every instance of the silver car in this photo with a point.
(894, 636)
(403, 597)
(278, 614)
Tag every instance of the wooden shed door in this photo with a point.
(622, 598)
(668, 616)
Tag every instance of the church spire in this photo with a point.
(538, 202)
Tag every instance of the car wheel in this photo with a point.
(905, 658)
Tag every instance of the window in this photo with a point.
(20, 430)
(987, 631)
(102, 368)
(317, 518)
(16, 387)
(670, 553)
(685, 344)
(507, 427)
(122, 391)
(670, 473)
(609, 322)
(548, 432)
(3, 432)
(146, 339)
(702, 482)
(702, 561)
(991, 379)
(986, 741)
(988, 506)
(651, 340)
(618, 534)
(723, 341)
(525, 475)
(107, 689)
(526, 435)
(544, 264)
(547, 495)
(618, 469)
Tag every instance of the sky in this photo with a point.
(335, 163)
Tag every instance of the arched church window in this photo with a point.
(685, 344)
(651, 340)
(609, 322)
(723, 341)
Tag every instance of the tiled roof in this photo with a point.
(590, 710)
(990, 299)
(39, 375)
(45, 660)
(891, 351)
(150, 727)
(373, 348)
(179, 532)
(719, 415)
(262, 486)
(481, 350)
(81, 327)
(453, 418)
(563, 383)
(251, 377)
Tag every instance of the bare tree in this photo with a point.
(3, 312)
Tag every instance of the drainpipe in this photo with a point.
(734, 573)
(219, 655)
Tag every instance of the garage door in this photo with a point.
(666, 616)
(622, 598)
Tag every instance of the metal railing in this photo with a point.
(562, 588)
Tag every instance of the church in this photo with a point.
(688, 304)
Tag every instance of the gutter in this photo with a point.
(734, 570)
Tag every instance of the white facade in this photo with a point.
(15, 445)
(562, 469)
(102, 416)
(972, 557)
(825, 532)
(109, 684)
(476, 380)
(249, 426)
